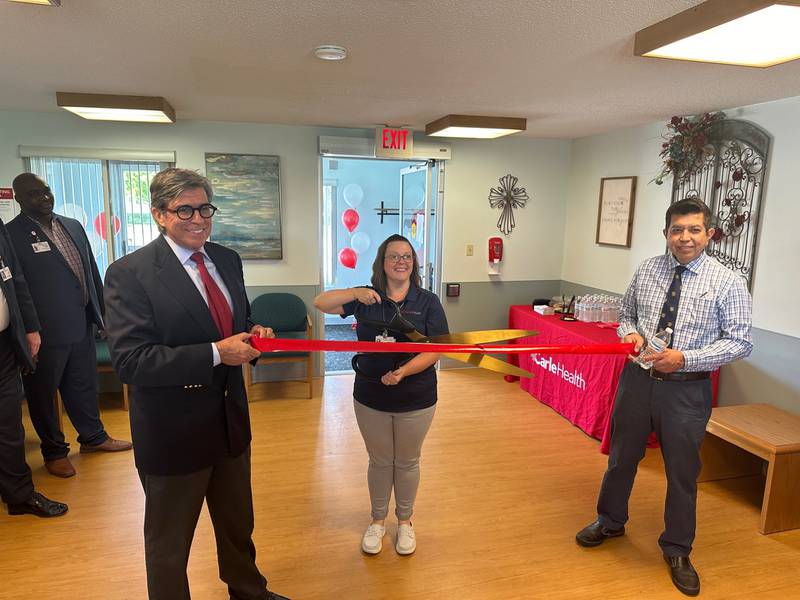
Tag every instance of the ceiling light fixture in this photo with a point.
(473, 126)
(44, 2)
(106, 107)
(330, 52)
(751, 33)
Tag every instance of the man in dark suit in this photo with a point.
(19, 345)
(67, 292)
(178, 328)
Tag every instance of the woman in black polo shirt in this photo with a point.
(394, 400)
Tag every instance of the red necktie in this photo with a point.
(217, 304)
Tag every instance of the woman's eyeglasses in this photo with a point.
(395, 258)
(186, 212)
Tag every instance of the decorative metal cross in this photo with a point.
(508, 197)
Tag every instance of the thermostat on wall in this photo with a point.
(453, 290)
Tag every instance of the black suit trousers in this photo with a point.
(16, 485)
(72, 370)
(678, 412)
(172, 507)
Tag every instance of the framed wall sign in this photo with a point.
(615, 211)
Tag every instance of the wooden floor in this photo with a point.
(506, 483)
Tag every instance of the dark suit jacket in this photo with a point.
(56, 291)
(20, 305)
(185, 414)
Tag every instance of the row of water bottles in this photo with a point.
(598, 308)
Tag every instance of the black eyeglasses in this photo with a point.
(186, 212)
(395, 258)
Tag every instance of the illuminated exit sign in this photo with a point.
(394, 142)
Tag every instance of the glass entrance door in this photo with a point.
(417, 211)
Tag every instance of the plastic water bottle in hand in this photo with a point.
(657, 343)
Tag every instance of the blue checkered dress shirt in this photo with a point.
(714, 312)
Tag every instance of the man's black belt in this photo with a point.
(687, 376)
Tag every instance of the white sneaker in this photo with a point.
(372, 542)
(406, 542)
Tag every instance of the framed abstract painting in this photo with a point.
(247, 192)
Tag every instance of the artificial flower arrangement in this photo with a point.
(686, 144)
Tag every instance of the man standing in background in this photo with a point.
(67, 293)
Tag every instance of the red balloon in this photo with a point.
(100, 225)
(350, 219)
(348, 258)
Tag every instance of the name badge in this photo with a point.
(40, 247)
(384, 337)
(5, 273)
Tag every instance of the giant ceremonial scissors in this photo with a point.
(471, 347)
(399, 324)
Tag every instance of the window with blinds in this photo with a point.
(110, 198)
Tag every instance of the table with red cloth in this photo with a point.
(580, 387)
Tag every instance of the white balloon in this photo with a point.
(353, 194)
(415, 196)
(96, 242)
(359, 242)
(74, 211)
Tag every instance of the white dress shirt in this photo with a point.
(185, 257)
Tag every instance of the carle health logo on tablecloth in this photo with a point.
(573, 377)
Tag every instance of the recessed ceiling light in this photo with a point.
(330, 52)
(755, 33)
(44, 2)
(107, 107)
(473, 126)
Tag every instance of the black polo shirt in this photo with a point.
(414, 392)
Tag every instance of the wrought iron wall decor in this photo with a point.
(729, 178)
(507, 196)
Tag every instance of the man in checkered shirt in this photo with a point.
(709, 310)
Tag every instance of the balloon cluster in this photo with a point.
(359, 241)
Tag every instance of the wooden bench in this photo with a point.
(738, 441)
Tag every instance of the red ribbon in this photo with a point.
(290, 345)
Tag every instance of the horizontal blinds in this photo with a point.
(165, 156)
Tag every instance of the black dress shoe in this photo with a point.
(683, 574)
(274, 596)
(595, 534)
(38, 505)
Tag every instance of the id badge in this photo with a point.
(5, 273)
(384, 337)
(40, 247)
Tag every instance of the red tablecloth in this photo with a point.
(580, 387)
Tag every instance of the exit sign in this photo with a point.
(394, 142)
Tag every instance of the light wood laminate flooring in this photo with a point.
(506, 483)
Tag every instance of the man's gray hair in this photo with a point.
(171, 183)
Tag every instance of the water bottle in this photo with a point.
(580, 308)
(657, 343)
(605, 310)
(595, 312)
(615, 308)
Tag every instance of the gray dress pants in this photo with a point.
(678, 412)
(394, 444)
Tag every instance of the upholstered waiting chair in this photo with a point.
(286, 314)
